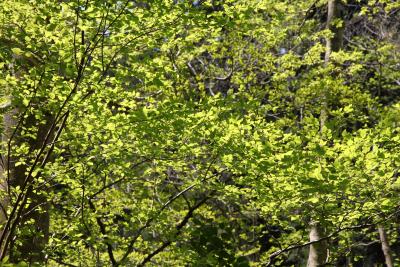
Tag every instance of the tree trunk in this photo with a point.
(318, 251)
(31, 243)
(385, 246)
(333, 44)
(8, 125)
(336, 42)
(30, 247)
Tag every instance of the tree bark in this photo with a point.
(385, 246)
(5, 166)
(333, 44)
(318, 251)
(31, 244)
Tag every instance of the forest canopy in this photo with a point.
(199, 133)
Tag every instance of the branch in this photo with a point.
(61, 262)
(116, 181)
(103, 231)
(178, 227)
(228, 76)
(163, 207)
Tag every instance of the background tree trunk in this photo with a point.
(7, 128)
(31, 244)
(335, 43)
(332, 45)
(318, 251)
(385, 246)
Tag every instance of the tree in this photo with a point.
(204, 133)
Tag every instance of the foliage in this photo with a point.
(187, 133)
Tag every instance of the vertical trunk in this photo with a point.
(5, 166)
(31, 242)
(335, 43)
(32, 247)
(332, 45)
(318, 251)
(385, 246)
(32, 239)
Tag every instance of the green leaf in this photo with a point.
(17, 51)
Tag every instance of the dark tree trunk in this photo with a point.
(31, 242)
(385, 246)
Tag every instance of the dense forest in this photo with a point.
(200, 133)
